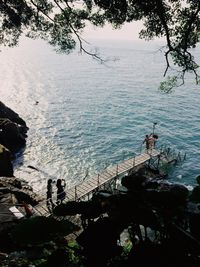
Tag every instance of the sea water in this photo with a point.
(84, 116)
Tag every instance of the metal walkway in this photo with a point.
(84, 189)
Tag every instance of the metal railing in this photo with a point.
(78, 192)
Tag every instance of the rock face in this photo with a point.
(13, 129)
(11, 135)
(14, 190)
(8, 113)
(6, 168)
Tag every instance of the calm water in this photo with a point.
(91, 115)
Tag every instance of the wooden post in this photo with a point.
(117, 170)
(98, 180)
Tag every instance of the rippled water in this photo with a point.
(91, 115)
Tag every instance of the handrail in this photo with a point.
(75, 190)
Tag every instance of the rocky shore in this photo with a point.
(13, 133)
(14, 192)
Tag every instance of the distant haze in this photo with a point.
(129, 31)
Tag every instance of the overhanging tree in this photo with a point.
(61, 23)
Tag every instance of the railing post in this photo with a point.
(75, 193)
(158, 161)
(179, 156)
(98, 180)
(117, 170)
(134, 161)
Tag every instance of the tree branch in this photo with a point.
(80, 40)
(161, 14)
(191, 21)
(40, 10)
(167, 60)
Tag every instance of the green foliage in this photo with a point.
(168, 85)
(127, 247)
(74, 257)
(37, 230)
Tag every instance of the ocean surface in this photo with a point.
(93, 115)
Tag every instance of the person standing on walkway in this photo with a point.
(146, 141)
(28, 210)
(60, 190)
(50, 203)
(152, 140)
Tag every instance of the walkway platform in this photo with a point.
(84, 189)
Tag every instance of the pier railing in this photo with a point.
(108, 177)
(110, 173)
(85, 189)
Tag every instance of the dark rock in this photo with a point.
(17, 189)
(12, 194)
(152, 184)
(11, 135)
(22, 196)
(168, 195)
(146, 254)
(3, 256)
(134, 181)
(13, 129)
(12, 182)
(8, 113)
(99, 241)
(6, 168)
(183, 239)
(198, 179)
(194, 223)
(58, 258)
(195, 195)
(90, 209)
(6, 244)
(179, 193)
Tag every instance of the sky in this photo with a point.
(129, 31)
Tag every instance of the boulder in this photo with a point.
(6, 168)
(134, 181)
(13, 129)
(8, 113)
(168, 195)
(99, 241)
(11, 135)
(195, 195)
(18, 191)
(198, 179)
